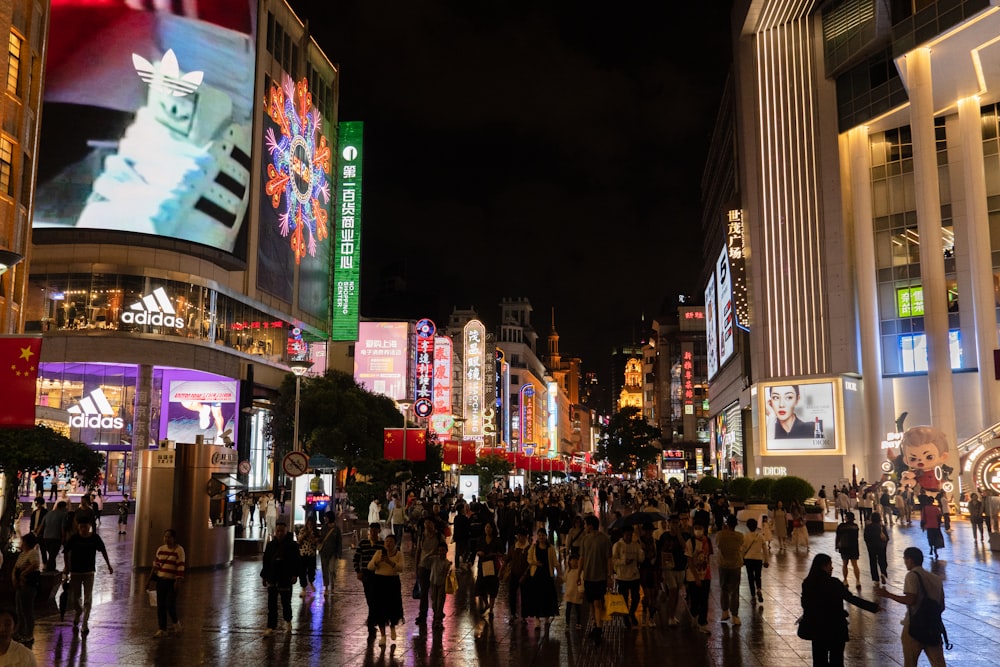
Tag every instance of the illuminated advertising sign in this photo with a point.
(738, 266)
(674, 454)
(987, 470)
(441, 416)
(94, 411)
(687, 377)
(527, 416)
(423, 378)
(711, 329)
(726, 316)
(505, 416)
(153, 309)
(910, 301)
(551, 394)
(197, 403)
(801, 417)
(347, 248)
(692, 318)
(473, 387)
(295, 197)
(148, 118)
(380, 358)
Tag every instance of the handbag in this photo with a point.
(805, 628)
(926, 625)
(614, 603)
(451, 583)
(489, 568)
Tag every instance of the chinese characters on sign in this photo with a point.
(736, 249)
(687, 380)
(473, 388)
(441, 418)
(347, 250)
(424, 376)
(527, 416)
(380, 358)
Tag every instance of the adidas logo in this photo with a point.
(153, 309)
(167, 78)
(94, 411)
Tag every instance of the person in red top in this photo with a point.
(930, 522)
(168, 573)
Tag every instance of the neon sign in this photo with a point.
(473, 388)
(424, 380)
(441, 419)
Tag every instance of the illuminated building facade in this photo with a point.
(183, 224)
(869, 185)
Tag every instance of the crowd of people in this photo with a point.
(642, 547)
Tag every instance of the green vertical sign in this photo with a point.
(347, 249)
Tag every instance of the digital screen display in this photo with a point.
(711, 329)
(726, 315)
(800, 416)
(381, 358)
(148, 120)
(197, 403)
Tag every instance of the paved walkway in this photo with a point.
(223, 613)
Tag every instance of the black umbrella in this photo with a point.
(637, 519)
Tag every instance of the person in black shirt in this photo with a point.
(80, 554)
(363, 554)
(848, 545)
(279, 572)
(824, 621)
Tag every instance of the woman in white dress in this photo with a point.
(374, 512)
(270, 514)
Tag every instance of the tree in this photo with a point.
(625, 441)
(709, 484)
(739, 488)
(791, 489)
(488, 468)
(761, 488)
(27, 450)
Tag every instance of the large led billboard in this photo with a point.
(380, 358)
(295, 197)
(725, 314)
(198, 404)
(711, 328)
(147, 120)
(801, 416)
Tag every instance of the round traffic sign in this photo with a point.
(295, 463)
(244, 467)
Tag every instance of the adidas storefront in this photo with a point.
(131, 357)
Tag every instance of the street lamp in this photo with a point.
(299, 367)
(404, 409)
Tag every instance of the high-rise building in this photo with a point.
(186, 207)
(26, 25)
(868, 136)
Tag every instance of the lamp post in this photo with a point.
(299, 367)
(456, 470)
(404, 409)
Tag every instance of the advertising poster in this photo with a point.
(147, 121)
(347, 247)
(196, 403)
(725, 314)
(380, 358)
(711, 329)
(800, 417)
(295, 196)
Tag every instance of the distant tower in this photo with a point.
(554, 358)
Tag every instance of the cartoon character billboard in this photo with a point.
(922, 462)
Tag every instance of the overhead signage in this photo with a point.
(423, 389)
(711, 328)
(527, 417)
(737, 265)
(725, 313)
(910, 301)
(94, 411)
(347, 249)
(442, 420)
(380, 358)
(473, 387)
(687, 377)
(551, 395)
(153, 309)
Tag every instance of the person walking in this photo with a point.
(329, 548)
(698, 551)
(595, 572)
(673, 564)
(169, 565)
(489, 553)
(917, 585)
(885, 505)
(627, 554)
(278, 573)
(649, 575)
(800, 533)
(270, 515)
(98, 504)
(386, 566)
(308, 542)
(50, 531)
(780, 521)
(375, 512)
(876, 542)
(729, 544)
(541, 600)
(80, 562)
(824, 621)
(843, 504)
(123, 514)
(440, 568)
(976, 516)
(430, 539)
(517, 564)
(848, 544)
(25, 577)
(930, 522)
(363, 554)
(755, 558)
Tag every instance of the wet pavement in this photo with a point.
(224, 612)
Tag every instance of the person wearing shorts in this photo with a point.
(595, 572)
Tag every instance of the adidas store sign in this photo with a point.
(94, 411)
(154, 310)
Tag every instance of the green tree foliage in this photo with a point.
(739, 488)
(488, 468)
(709, 484)
(24, 451)
(791, 489)
(761, 488)
(626, 441)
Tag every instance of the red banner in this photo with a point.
(455, 453)
(18, 372)
(416, 444)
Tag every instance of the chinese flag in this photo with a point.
(18, 372)
(416, 444)
(468, 456)
(393, 444)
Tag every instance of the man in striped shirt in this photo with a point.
(367, 548)
(168, 573)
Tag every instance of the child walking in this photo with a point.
(574, 593)
(440, 567)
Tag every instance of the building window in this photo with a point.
(6, 159)
(13, 63)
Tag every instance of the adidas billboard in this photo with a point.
(94, 411)
(153, 309)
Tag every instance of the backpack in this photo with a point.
(926, 625)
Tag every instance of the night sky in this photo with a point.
(546, 150)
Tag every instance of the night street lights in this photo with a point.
(404, 409)
(299, 367)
